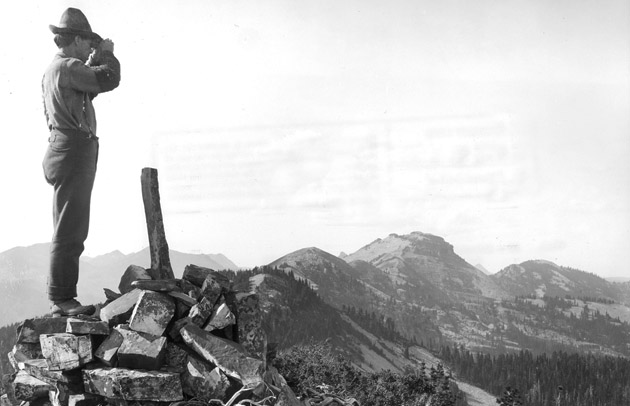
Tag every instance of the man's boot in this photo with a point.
(70, 307)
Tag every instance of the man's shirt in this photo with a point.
(68, 87)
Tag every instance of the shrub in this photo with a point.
(307, 367)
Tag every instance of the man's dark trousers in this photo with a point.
(70, 167)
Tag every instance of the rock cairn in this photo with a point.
(158, 341)
(155, 342)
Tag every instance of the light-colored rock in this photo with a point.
(119, 311)
(62, 383)
(132, 273)
(66, 351)
(152, 313)
(80, 326)
(230, 357)
(204, 382)
(221, 318)
(130, 384)
(141, 351)
(5, 401)
(85, 399)
(107, 352)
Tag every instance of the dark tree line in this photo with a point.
(376, 324)
(589, 325)
(546, 380)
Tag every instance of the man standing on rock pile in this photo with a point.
(84, 67)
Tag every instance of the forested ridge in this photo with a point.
(559, 378)
(588, 327)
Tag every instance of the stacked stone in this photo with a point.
(155, 342)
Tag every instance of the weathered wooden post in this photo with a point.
(158, 247)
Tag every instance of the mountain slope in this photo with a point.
(429, 265)
(333, 279)
(429, 293)
(542, 278)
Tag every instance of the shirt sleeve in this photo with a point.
(101, 77)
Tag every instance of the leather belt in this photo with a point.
(73, 132)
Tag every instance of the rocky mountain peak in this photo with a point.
(395, 245)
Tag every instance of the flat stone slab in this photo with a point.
(66, 351)
(184, 298)
(229, 356)
(119, 310)
(141, 351)
(130, 384)
(29, 330)
(152, 313)
(160, 285)
(79, 326)
(39, 369)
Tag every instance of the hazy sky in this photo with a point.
(503, 127)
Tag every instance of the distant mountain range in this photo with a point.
(416, 282)
(24, 270)
(435, 297)
(390, 305)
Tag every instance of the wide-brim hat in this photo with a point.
(73, 21)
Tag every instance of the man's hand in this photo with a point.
(106, 45)
(95, 57)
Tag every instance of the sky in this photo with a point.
(503, 127)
